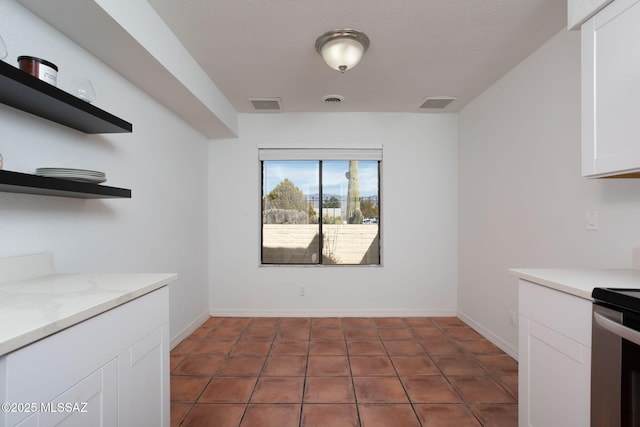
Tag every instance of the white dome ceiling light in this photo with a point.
(342, 49)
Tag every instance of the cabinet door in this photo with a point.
(143, 381)
(611, 90)
(91, 402)
(554, 385)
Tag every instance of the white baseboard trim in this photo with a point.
(488, 334)
(191, 327)
(332, 313)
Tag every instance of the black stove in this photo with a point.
(626, 299)
(615, 358)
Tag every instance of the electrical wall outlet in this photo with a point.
(513, 318)
(592, 221)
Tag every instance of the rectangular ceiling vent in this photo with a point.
(266, 104)
(437, 102)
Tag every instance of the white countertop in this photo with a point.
(34, 308)
(579, 282)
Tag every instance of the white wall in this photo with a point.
(522, 201)
(162, 228)
(419, 184)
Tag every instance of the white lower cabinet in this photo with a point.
(110, 370)
(143, 383)
(96, 396)
(554, 358)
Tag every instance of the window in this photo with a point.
(320, 211)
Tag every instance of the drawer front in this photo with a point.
(566, 314)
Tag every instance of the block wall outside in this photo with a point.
(343, 243)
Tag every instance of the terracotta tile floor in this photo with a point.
(334, 372)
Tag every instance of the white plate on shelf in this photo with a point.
(80, 175)
(69, 171)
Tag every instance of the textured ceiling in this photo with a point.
(419, 48)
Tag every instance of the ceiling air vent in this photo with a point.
(332, 99)
(437, 102)
(266, 104)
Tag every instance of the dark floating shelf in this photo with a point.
(30, 94)
(17, 182)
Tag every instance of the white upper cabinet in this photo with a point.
(611, 91)
(579, 11)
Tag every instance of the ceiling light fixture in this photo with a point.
(342, 49)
